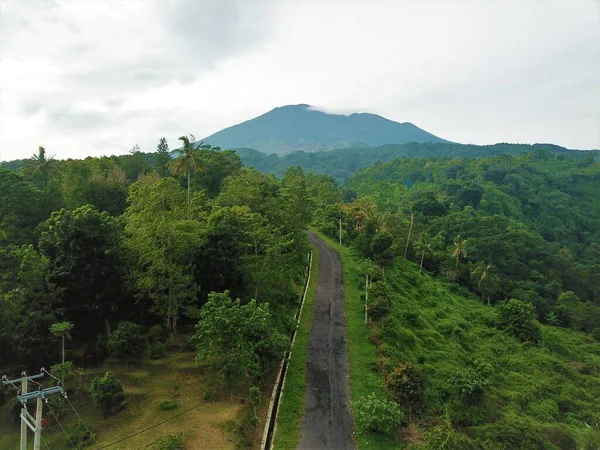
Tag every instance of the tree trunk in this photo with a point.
(412, 218)
(63, 348)
(107, 327)
(422, 258)
(188, 194)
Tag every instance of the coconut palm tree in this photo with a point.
(480, 273)
(186, 163)
(460, 250)
(42, 164)
(423, 246)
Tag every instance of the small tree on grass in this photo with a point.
(126, 342)
(517, 318)
(379, 415)
(107, 394)
(254, 398)
(238, 340)
(407, 385)
(61, 330)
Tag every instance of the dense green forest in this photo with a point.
(483, 298)
(483, 277)
(343, 162)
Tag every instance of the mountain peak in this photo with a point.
(303, 127)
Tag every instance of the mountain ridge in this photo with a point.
(289, 128)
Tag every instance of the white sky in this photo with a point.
(95, 77)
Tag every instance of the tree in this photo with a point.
(161, 241)
(460, 250)
(426, 245)
(381, 248)
(407, 384)
(254, 398)
(240, 341)
(84, 250)
(126, 342)
(43, 165)
(186, 163)
(107, 394)
(61, 330)
(517, 318)
(481, 272)
(163, 156)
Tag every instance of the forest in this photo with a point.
(482, 275)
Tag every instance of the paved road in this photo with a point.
(327, 422)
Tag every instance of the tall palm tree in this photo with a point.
(42, 164)
(460, 250)
(480, 273)
(423, 246)
(186, 163)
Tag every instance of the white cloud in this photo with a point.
(90, 77)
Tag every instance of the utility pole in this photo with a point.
(34, 424)
(340, 223)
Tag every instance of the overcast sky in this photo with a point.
(95, 77)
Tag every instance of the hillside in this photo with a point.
(340, 163)
(301, 127)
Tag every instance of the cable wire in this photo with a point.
(81, 420)
(60, 425)
(5, 378)
(40, 386)
(45, 443)
(150, 427)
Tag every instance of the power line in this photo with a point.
(81, 420)
(150, 427)
(60, 425)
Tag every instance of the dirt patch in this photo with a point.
(327, 421)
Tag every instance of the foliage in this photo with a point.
(168, 405)
(62, 370)
(126, 342)
(173, 441)
(376, 414)
(473, 381)
(254, 394)
(407, 385)
(81, 435)
(107, 394)
(518, 319)
(239, 340)
(157, 350)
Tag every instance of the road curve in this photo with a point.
(327, 422)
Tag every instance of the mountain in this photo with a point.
(302, 127)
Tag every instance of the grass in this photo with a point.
(146, 384)
(291, 406)
(362, 354)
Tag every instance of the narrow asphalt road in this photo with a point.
(327, 422)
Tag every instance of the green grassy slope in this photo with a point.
(540, 397)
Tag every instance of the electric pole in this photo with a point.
(366, 296)
(340, 223)
(34, 424)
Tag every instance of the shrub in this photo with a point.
(209, 393)
(62, 370)
(407, 385)
(173, 441)
(473, 382)
(156, 333)
(157, 350)
(81, 435)
(517, 318)
(378, 304)
(126, 342)
(377, 415)
(168, 405)
(444, 437)
(107, 394)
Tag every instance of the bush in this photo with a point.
(107, 394)
(62, 370)
(80, 436)
(444, 437)
(126, 342)
(517, 318)
(377, 415)
(173, 441)
(209, 393)
(473, 382)
(157, 350)
(378, 304)
(407, 385)
(168, 405)
(157, 333)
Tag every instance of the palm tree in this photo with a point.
(480, 273)
(423, 246)
(45, 166)
(186, 163)
(460, 250)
